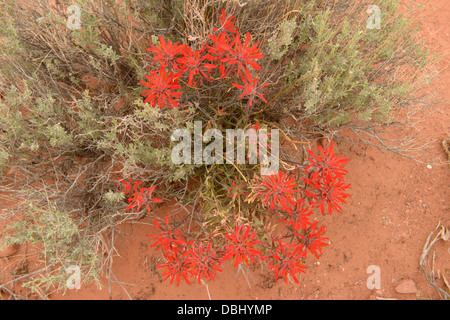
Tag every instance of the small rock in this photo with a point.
(9, 251)
(373, 296)
(406, 286)
(429, 166)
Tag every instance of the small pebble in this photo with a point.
(429, 166)
(8, 251)
(406, 286)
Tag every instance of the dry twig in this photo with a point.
(443, 234)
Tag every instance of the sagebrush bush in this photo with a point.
(62, 246)
(73, 118)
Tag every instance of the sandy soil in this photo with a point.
(395, 204)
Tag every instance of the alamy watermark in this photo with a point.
(74, 20)
(74, 281)
(374, 280)
(374, 20)
(213, 153)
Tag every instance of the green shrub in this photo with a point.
(62, 246)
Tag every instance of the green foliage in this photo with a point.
(59, 236)
(351, 68)
(279, 43)
(113, 198)
(4, 157)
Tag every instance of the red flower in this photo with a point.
(241, 246)
(177, 265)
(227, 24)
(161, 89)
(192, 62)
(298, 217)
(204, 262)
(250, 87)
(255, 126)
(326, 164)
(221, 112)
(277, 190)
(126, 185)
(219, 52)
(244, 55)
(312, 240)
(140, 198)
(287, 260)
(327, 191)
(137, 199)
(166, 53)
(236, 189)
(167, 239)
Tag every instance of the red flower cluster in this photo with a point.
(250, 88)
(190, 261)
(226, 53)
(166, 239)
(298, 216)
(161, 89)
(241, 245)
(238, 54)
(139, 196)
(227, 24)
(167, 53)
(205, 261)
(307, 238)
(286, 259)
(184, 259)
(201, 259)
(236, 190)
(276, 191)
(312, 240)
(325, 185)
(323, 189)
(326, 164)
(177, 265)
(327, 191)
